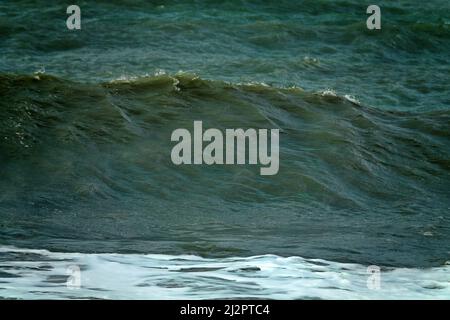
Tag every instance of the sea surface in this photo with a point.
(86, 177)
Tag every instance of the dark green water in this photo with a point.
(364, 118)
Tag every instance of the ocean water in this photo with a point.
(86, 177)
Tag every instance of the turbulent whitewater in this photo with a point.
(40, 274)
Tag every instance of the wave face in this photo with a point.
(40, 274)
(86, 167)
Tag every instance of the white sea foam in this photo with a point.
(328, 93)
(352, 99)
(40, 274)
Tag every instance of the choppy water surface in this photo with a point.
(85, 170)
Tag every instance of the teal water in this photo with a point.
(364, 116)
